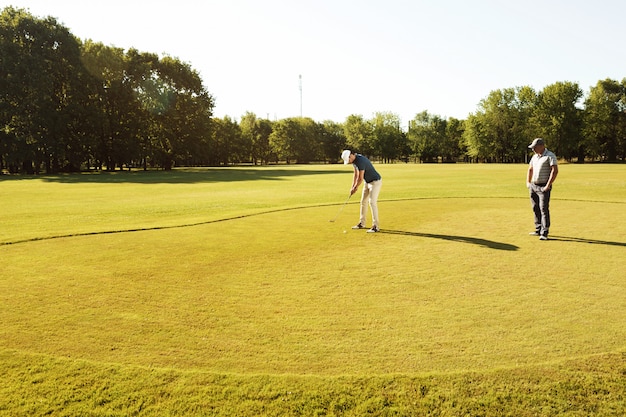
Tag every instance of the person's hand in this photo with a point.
(528, 185)
(546, 188)
(352, 190)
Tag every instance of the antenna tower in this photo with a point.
(300, 95)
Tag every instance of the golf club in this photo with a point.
(341, 208)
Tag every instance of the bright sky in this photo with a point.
(360, 56)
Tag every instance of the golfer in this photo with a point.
(542, 171)
(364, 171)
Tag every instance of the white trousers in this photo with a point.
(369, 196)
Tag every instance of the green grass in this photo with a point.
(229, 292)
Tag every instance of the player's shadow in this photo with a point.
(463, 239)
(588, 241)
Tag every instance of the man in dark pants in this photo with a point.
(542, 171)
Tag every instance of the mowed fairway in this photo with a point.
(229, 292)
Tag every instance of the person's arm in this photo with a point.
(554, 171)
(357, 179)
(529, 176)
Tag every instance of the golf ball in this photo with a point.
(345, 231)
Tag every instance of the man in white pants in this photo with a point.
(365, 171)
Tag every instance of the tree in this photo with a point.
(359, 134)
(185, 122)
(426, 134)
(309, 141)
(248, 125)
(65, 103)
(118, 110)
(453, 146)
(605, 121)
(498, 131)
(558, 118)
(431, 137)
(153, 99)
(388, 138)
(225, 134)
(333, 140)
(150, 108)
(282, 139)
(296, 138)
(261, 144)
(40, 62)
(256, 132)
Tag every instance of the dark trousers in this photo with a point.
(540, 202)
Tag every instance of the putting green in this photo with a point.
(450, 284)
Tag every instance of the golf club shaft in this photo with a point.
(341, 208)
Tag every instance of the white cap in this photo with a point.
(345, 155)
(537, 141)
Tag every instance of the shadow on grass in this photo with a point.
(180, 175)
(588, 241)
(463, 239)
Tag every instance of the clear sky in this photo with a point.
(360, 56)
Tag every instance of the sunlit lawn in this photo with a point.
(228, 292)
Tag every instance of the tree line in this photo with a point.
(68, 105)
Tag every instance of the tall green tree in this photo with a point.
(116, 120)
(605, 121)
(40, 61)
(426, 136)
(226, 133)
(256, 132)
(261, 144)
(388, 139)
(65, 104)
(558, 119)
(431, 137)
(333, 140)
(248, 126)
(153, 99)
(310, 139)
(296, 139)
(499, 130)
(359, 134)
(185, 121)
(283, 138)
(454, 146)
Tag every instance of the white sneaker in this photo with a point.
(374, 229)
